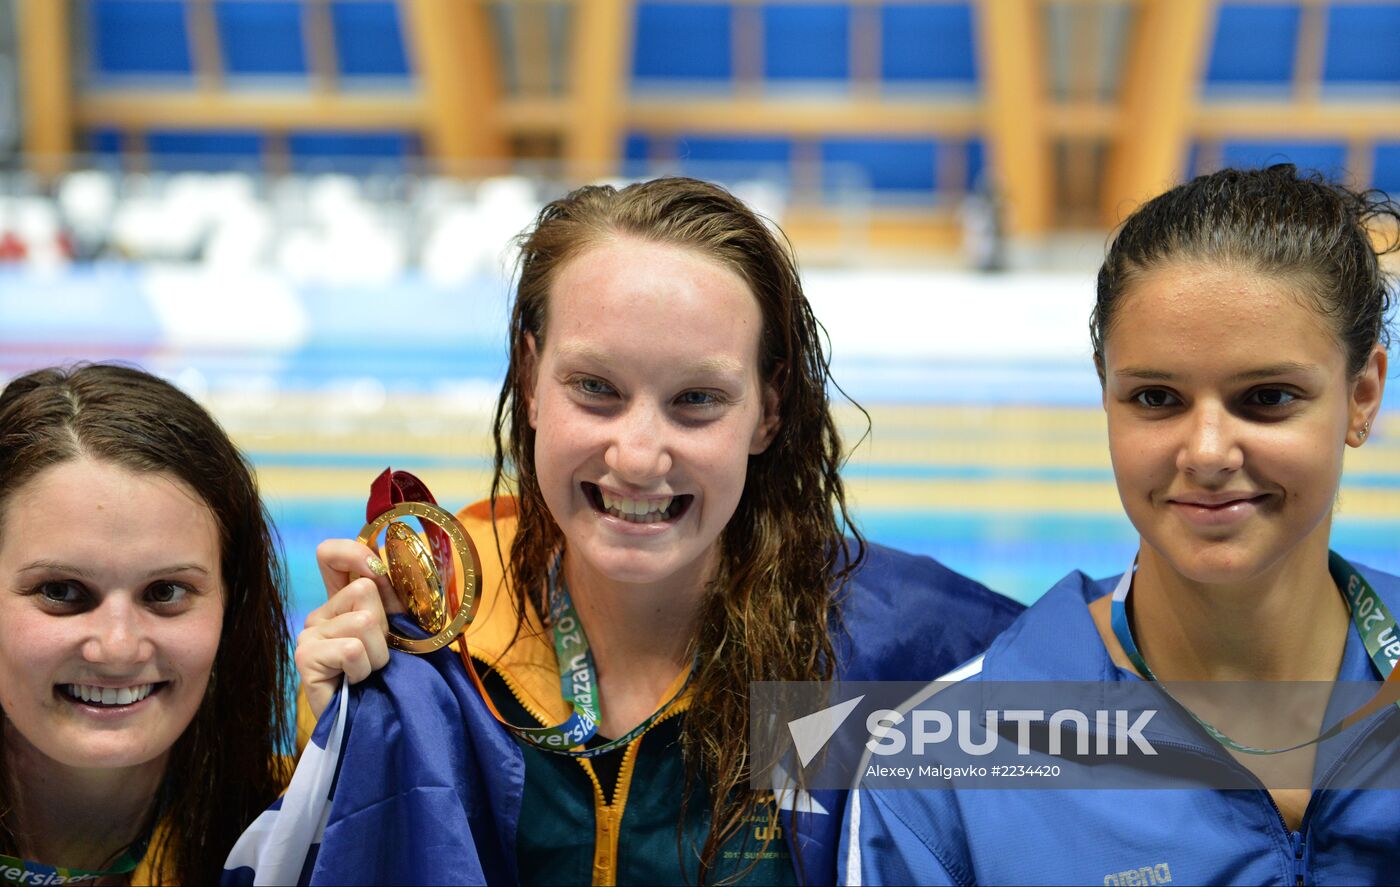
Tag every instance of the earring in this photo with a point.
(1365, 430)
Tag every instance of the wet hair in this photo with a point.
(228, 765)
(1313, 234)
(783, 555)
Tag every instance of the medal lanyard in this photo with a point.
(24, 871)
(578, 683)
(1373, 622)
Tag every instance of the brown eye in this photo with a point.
(1156, 398)
(166, 593)
(66, 593)
(1271, 397)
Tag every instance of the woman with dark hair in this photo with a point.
(143, 645)
(668, 467)
(1240, 339)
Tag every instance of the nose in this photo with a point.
(1211, 449)
(118, 634)
(639, 451)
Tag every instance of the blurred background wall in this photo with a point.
(300, 211)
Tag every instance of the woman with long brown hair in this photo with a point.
(667, 473)
(143, 644)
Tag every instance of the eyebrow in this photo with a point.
(70, 569)
(704, 365)
(1268, 372)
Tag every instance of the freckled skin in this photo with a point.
(670, 339)
(116, 527)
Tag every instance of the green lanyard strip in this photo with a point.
(24, 871)
(1370, 616)
(578, 683)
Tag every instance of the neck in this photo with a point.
(636, 628)
(1287, 624)
(76, 817)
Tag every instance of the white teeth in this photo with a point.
(109, 695)
(635, 510)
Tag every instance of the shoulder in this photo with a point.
(890, 575)
(909, 617)
(1387, 585)
(486, 519)
(1055, 639)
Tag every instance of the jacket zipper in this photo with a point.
(1297, 841)
(614, 810)
(599, 809)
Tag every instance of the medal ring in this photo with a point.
(466, 592)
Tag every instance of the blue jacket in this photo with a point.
(429, 786)
(1143, 836)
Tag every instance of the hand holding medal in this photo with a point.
(420, 572)
(423, 576)
(350, 634)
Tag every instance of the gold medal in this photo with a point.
(415, 576)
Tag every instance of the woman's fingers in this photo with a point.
(345, 635)
(343, 561)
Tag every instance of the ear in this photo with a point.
(767, 426)
(528, 374)
(1366, 392)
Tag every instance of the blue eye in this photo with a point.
(592, 387)
(1156, 398)
(697, 399)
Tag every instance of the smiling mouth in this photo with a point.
(109, 697)
(637, 511)
(1219, 506)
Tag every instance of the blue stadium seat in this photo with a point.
(352, 151)
(928, 43)
(683, 41)
(137, 37)
(1363, 44)
(807, 41)
(1255, 45)
(892, 165)
(369, 39)
(173, 150)
(263, 38)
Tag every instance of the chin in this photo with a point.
(633, 567)
(1222, 562)
(109, 753)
